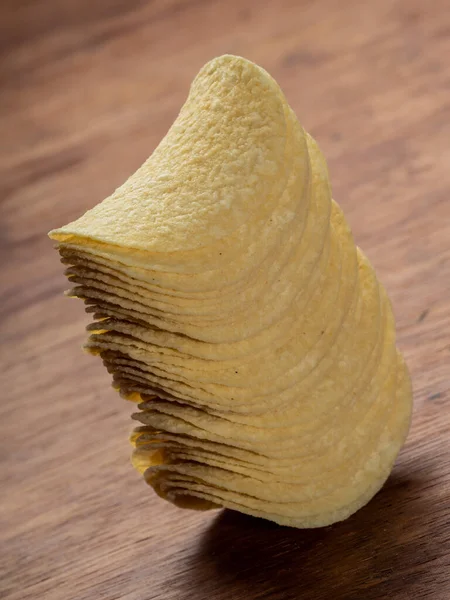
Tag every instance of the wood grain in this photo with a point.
(87, 90)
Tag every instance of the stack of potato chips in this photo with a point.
(230, 302)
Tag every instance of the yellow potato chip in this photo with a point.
(232, 305)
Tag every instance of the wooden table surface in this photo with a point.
(87, 89)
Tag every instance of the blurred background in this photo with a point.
(87, 90)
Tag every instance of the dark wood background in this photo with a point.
(87, 88)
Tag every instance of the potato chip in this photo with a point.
(231, 304)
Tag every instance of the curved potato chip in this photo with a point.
(231, 304)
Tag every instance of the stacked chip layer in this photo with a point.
(231, 303)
